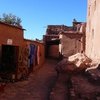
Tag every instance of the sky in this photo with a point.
(37, 14)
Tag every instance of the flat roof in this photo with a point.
(11, 25)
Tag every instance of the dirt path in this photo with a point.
(59, 92)
(37, 87)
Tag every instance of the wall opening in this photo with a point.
(9, 58)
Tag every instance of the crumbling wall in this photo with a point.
(80, 84)
(55, 29)
(70, 45)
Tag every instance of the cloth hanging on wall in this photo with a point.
(32, 53)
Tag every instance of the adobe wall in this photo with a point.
(93, 30)
(53, 51)
(10, 35)
(70, 44)
(40, 54)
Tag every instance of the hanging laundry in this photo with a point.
(32, 54)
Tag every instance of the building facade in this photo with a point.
(71, 43)
(62, 40)
(51, 40)
(93, 30)
(18, 56)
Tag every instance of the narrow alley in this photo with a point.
(49, 84)
(37, 87)
(60, 63)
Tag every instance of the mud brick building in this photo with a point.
(36, 52)
(52, 41)
(11, 38)
(71, 43)
(18, 56)
(61, 40)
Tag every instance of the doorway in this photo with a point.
(9, 58)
